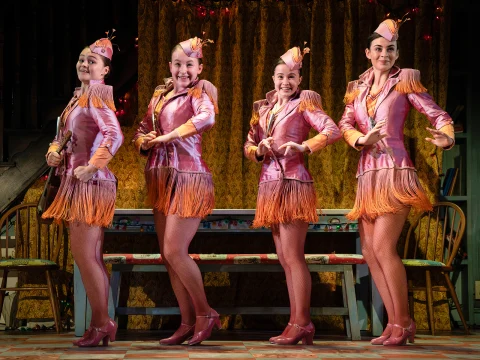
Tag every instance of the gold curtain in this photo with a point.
(248, 40)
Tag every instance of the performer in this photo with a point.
(179, 183)
(388, 186)
(286, 200)
(86, 196)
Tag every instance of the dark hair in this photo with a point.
(374, 36)
(178, 47)
(279, 61)
(106, 62)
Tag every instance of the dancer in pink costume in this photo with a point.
(287, 201)
(179, 183)
(378, 103)
(86, 197)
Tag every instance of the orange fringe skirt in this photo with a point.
(387, 191)
(284, 201)
(92, 203)
(186, 194)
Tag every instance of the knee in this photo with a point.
(172, 254)
(385, 252)
(368, 253)
(292, 260)
(281, 259)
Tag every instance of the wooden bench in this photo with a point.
(121, 263)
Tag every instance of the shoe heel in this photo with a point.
(308, 339)
(411, 338)
(105, 340)
(218, 324)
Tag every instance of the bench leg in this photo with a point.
(348, 328)
(114, 293)
(352, 302)
(80, 300)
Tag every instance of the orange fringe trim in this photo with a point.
(284, 201)
(255, 118)
(350, 96)
(158, 92)
(409, 82)
(189, 195)
(92, 203)
(98, 95)
(351, 93)
(209, 89)
(310, 100)
(387, 191)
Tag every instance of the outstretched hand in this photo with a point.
(292, 147)
(440, 139)
(374, 135)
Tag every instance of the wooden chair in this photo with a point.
(432, 243)
(21, 226)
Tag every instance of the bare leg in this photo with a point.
(179, 233)
(86, 243)
(288, 275)
(187, 312)
(366, 229)
(387, 231)
(292, 241)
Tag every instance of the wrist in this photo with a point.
(92, 169)
(360, 140)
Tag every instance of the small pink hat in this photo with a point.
(294, 56)
(388, 28)
(103, 46)
(193, 47)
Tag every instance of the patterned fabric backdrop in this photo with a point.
(248, 40)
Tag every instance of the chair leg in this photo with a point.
(430, 313)
(2, 292)
(411, 303)
(52, 292)
(453, 294)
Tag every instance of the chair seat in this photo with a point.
(152, 259)
(420, 262)
(26, 262)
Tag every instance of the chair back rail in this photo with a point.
(33, 237)
(436, 235)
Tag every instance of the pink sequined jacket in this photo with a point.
(292, 123)
(401, 91)
(190, 113)
(96, 133)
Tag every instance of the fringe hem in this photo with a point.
(388, 191)
(285, 201)
(92, 203)
(172, 192)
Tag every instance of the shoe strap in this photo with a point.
(207, 316)
(188, 326)
(408, 329)
(302, 328)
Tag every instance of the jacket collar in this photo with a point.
(367, 77)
